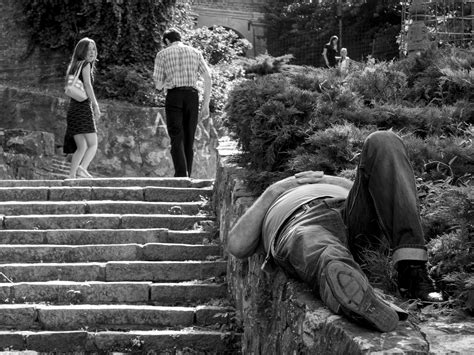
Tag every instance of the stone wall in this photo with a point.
(133, 141)
(280, 315)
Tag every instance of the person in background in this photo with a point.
(330, 51)
(309, 223)
(177, 69)
(344, 61)
(82, 116)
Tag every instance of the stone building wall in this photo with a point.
(133, 141)
(278, 314)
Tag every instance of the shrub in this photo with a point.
(218, 45)
(379, 82)
(129, 83)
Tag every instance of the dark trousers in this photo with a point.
(182, 110)
(382, 200)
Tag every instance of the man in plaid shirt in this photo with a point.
(177, 68)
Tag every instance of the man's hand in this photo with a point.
(305, 177)
(204, 112)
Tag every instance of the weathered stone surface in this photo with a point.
(163, 251)
(186, 292)
(12, 340)
(164, 271)
(207, 315)
(70, 193)
(174, 194)
(167, 341)
(17, 316)
(129, 207)
(30, 183)
(5, 292)
(67, 292)
(31, 143)
(104, 236)
(113, 316)
(68, 253)
(41, 207)
(117, 193)
(23, 193)
(446, 337)
(62, 221)
(175, 222)
(72, 341)
(46, 272)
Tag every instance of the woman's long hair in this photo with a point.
(331, 40)
(80, 54)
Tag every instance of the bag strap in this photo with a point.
(76, 75)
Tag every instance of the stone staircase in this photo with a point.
(128, 265)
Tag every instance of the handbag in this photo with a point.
(74, 87)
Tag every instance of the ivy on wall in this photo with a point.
(126, 31)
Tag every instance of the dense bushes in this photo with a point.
(302, 118)
(128, 36)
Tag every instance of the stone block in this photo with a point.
(70, 193)
(12, 340)
(22, 237)
(104, 236)
(23, 193)
(181, 293)
(166, 341)
(117, 193)
(162, 251)
(165, 194)
(31, 143)
(42, 207)
(113, 317)
(46, 272)
(17, 316)
(62, 222)
(57, 342)
(67, 254)
(163, 271)
(175, 222)
(208, 315)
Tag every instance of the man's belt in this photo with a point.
(184, 88)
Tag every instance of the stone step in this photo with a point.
(112, 182)
(80, 193)
(11, 208)
(96, 292)
(103, 221)
(106, 252)
(110, 317)
(104, 236)
(187, 341)
(157, 271)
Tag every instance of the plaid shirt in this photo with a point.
(178, 65)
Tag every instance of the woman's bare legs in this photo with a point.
(91, 139)
(78, 155)
(85, 152)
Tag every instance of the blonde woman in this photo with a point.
(82, 116)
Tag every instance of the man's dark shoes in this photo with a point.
(415, 283)
(357, 298)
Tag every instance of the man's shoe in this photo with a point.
(415, 283)
(358, 299)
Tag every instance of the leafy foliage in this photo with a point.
(302, 28)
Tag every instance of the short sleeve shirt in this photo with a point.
(290, 201)
(178, 65)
